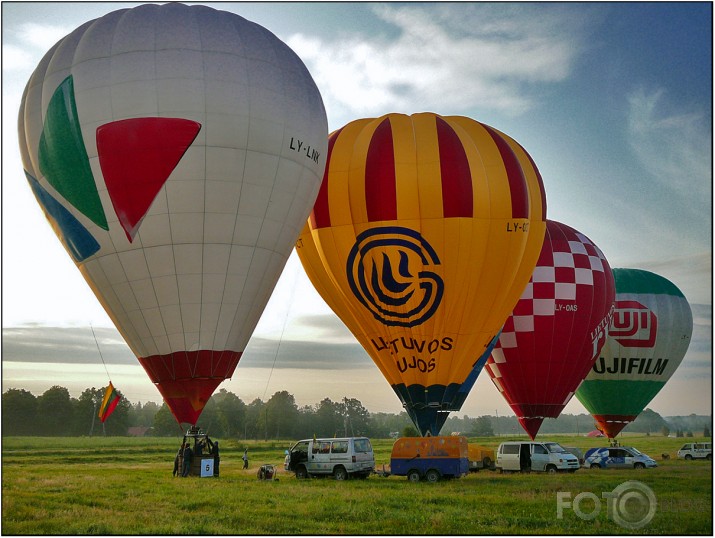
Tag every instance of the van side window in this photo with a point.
(363, 445)
(540, 449)
(511, 449)
(325, 447)
(340, 447)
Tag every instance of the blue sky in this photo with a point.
(612, 100)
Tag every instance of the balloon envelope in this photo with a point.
(647, 341)
(176, 151)
(425, 231)
(557, 328)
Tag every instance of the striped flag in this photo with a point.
(109, 402)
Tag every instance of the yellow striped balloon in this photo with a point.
(425, 232)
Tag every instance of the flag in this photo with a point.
(109, 403)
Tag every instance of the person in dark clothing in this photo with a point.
(176, 460)
(525, 458)
(188, 453)
(217, 459)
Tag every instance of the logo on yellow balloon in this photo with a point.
(388, 270)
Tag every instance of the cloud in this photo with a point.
(451, 62)
(69, 345)
(675, 148)
(41, 36)
(328, 350)
(16, 58)
(265, 353)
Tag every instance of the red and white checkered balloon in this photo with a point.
(553, 336)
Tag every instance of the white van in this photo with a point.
(691, 451)
(340, 457)
(535, 456)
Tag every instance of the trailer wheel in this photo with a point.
(413, 475)
(301, 472)
(487, 462)
(433, 475)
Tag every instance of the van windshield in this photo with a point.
(363, 445)
(555, 447)
(635, 451)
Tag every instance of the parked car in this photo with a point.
(691, 451)
(340, 457)
(621, 457)
(431, 458)
(538, 456)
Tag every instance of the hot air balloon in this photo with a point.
(176, 151)
(424, 233)
(646, 343)
(553, 336)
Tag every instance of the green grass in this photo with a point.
(70, 486)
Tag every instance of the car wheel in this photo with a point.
(688, 457)
(413, 476)
(639, 466)
(551, 469)
(595, 466)
(301, 472)
(432, 475)
(340, 473)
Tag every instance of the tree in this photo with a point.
(54, 411)
(231, 413)
(255, 419)
(410, 431)
(19, 412)
(482, 427)
(165, 424)
(143, 415)
(328, 419)
(86, 408)
(358, 418)
(281, 415)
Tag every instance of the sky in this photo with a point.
(613, 101)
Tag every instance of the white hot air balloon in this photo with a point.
(177, 152)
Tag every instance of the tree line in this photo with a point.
(56, 413)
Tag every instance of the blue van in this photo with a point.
(620, 457)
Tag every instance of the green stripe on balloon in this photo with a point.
(63, 156)
(638, 281)
(617, 397)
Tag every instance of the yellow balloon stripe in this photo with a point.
(422, 293)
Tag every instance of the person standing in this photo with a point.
(217, 459)
(245, 458)
(177, 459)
(188, 453)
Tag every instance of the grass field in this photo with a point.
(115, 485)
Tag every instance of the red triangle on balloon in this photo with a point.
(137, 156)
